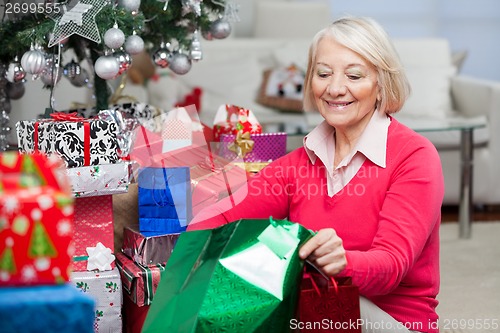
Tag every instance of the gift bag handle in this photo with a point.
(309, 276)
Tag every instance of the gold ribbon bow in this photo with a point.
(242, 145)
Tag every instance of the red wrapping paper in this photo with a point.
(36, 221)
(138, 282)
(133, 315)
(336, 307)
(148, 249)
(93, 224)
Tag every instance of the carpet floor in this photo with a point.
(470, 279)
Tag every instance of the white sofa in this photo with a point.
(231, 73)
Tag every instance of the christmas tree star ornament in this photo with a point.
(79, 20)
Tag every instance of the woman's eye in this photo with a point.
(353, 77)
(323, 74)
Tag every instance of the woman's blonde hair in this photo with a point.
(367, 38)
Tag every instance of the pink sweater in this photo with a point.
(388, 219)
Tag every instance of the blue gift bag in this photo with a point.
(164, 199)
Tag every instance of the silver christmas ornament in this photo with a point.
(114, 38)
(106, 67)
(33, 61)
(207, 34)
(180, 63)
(220, 28)
(134, 44)
(15, 73)
(130, 5)
(195, 51)
(15, 90)
(51, 75)
(72, 69)
(162, 57)
(124, 60)
(81, 79)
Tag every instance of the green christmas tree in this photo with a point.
(7, 263)
(156, 22)
(40, 243)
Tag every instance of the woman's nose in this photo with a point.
(337, 86)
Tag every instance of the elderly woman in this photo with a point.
(371, 187)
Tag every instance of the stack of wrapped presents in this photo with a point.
(95, 170)
(37, 293)
(69, 241)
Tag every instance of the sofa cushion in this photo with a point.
(429, 67)
(430, 91)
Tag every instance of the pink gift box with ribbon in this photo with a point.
(94, 233)
(265, 147)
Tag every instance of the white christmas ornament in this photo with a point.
(220, 28)
(130, 5)
(33, 61)
(134, 44)
(106, 67)
(180, 63)
(195, 51)
(114, 38)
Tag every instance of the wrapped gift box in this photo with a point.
(133, 315)
(96, 180)
(93, 225)
(106, 290)
(39, 309)
(79, 142)
(148, 249)
(264, 147)
(36, 221)
(231, 119)
(139, 282)
(212, 177)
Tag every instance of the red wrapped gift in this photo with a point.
(328, 305)
(148, 248)
(139, 282)
(231, 119)
(93, 225)
(36, 219)
(133, 315)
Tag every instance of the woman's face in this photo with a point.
(344, 86)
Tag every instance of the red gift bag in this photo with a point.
(328, 305)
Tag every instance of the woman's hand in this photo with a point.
(325, 251)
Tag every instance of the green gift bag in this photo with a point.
(241, 277)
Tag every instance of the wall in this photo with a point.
(471, 26)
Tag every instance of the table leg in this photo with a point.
(466, 202)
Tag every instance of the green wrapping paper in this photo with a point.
(241, 277)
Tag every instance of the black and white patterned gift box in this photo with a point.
(79, 143)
